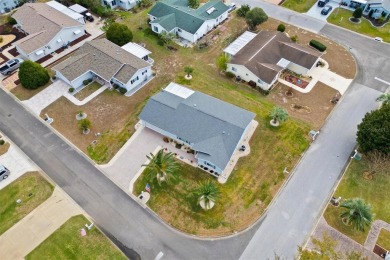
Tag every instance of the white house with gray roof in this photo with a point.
(106, 61)
(211, 127)
(122, 4)
(47, 30)
(175, 16)
(7, 5)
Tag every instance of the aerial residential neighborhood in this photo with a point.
(187, 129)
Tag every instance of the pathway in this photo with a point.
(372, 236)
(77, 102)
(344, 243)
(47, 96)
(32, 230)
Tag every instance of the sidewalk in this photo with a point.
(32, 230)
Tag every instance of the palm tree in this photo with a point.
(358, 213)
(384, 98)
(207, 194)
(278, 114)
(162, 166)
(188, 70)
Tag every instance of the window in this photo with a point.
(105, 3)
(209, 164)
(134, 80)
(113, 3)
(234, 69)
(144, 72)
(259, 81)
(155, 28)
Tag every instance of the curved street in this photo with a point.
(290, 218)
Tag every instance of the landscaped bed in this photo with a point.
(4, 148)
(67, 243)
(364, 27)
(354, 185)
(384, 239)
(87, 90)
(32, 189)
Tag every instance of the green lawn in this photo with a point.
(353, 185)
(10, 211)
(384, 239)
(67, 243)
(364, 27)
(301, 6)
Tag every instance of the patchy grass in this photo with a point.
(384, 239)
(87, 90)
(10, 211)
(67, 243)
(364, 27)
(374, 192)
(301, 6)
(4, 148)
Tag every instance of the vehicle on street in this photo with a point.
(4, 172)
(322, 3)
(10, 66)
(326, 10)
(378, 39)
(232, 7)
(89, 17)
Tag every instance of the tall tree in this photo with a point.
(358, 213)
(374, 131)
(255, 17)
(32, 75)
(162, 166)
(243, 10)
(119, 34)
(222, 62)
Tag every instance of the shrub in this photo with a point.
(84, 124)
(54, 77)
(193, 3)
(229, 74)
(116, 86)
(2, 142)
(319, 46)
(90, 80)
(85, 82)
(1, 39)
(122, 90)
(252, 83)
(102, 11)
(119, 34)
(357, 13)
(222, 62)
(294, 38)
(281, 27)
(243, 10)
(32, 75)
(71, 90)
(264, 92)
(11, 20)
(7, 29)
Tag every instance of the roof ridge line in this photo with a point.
(262, 47)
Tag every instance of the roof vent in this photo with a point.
(194, 105)
(223, 132)
(211, 10)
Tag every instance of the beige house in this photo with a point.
(262, 57)
(47, 30)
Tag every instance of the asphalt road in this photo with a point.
(289, 220)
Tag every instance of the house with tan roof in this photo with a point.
(262, 57)
(47, 30)
(105, 61)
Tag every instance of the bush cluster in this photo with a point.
(319, 46)
(281, 27)
(122, 90)
(32, 75)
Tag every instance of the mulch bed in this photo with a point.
(379, 250)
(17, 82)
(296, 81)
(85, 36)
(14, 52)
(44, 58)
(5, 59)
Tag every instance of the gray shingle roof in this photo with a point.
(212, 125)
(104, 58)
(264, 51)
(176, 13)
(42, 22)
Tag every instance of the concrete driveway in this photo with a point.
(128, 161)
(47, 96)
(315, 11)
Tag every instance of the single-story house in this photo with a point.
(211, 127)
(47, 30)
(7, 5)
(67, 11)
(103, 60)
(373, 8)
(175, 16)
(262, 57)
(123, 4)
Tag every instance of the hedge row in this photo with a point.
(319, 46)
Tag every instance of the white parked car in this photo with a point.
(4, 172)
(378, 39)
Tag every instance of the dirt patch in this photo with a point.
(7, 39)
(368, 175)
(313, 107)
(4, 148)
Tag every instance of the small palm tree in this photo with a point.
(358, 213)
(84, 124)
(384, 98)
(188, 70)
(278, 114)
(162, 166)
(207, 194)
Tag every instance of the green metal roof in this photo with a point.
(176, 13)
